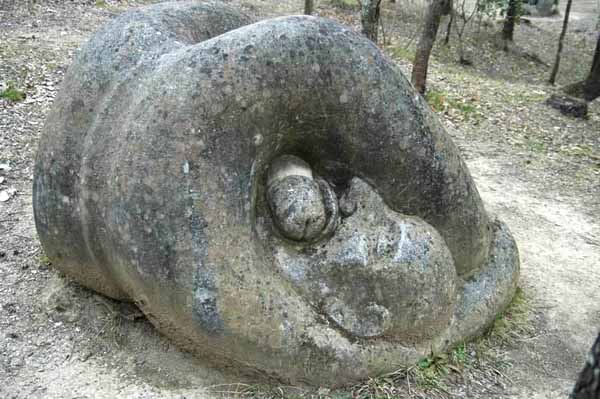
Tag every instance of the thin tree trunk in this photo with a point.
(591, 89)
(426, 41)
(383, 31)
(462, 20)
(449, 27)
(595, 71)
(598, 18)
(369, 17)
(588, 89)
(552, 79)
(308, 6)
(598, 13)
(509, 23)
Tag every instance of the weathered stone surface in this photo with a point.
(381, 274)
(547, 8)
(568, 105)
(541, 8)
(295, 199)
(273, 196)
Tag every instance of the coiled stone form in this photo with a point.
(156, 182)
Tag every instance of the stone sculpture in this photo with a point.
(273, 196)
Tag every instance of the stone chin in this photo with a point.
(273, 196)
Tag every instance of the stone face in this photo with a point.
(381, 274)
(274, 196)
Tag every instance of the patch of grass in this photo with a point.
(436, 100)
(105, 5)
(466, 107)
(514, 323)
(13, 94)
(583, 150)
(380, 387)
(261, 391)
(427, 378)
(460, 355)
(346, 4)
(535, 145)
(523, 98)
(44, 260)
(534, 98)
(441, 102)
(432, 370)
(402, 53)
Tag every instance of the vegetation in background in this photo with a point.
(512, 325)
(401, 52)
(13, 94)
(44, 260)
(589, 88)
(345, 4)
(441, 102)
(370, 11)
(561, 39)
(309, 6)
(431, 24)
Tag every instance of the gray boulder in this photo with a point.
(273, 196)
(541, 8)
(567, 105)
(547, 8)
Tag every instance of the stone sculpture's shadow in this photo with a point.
(274, 196)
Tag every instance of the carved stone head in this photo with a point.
(273, 196)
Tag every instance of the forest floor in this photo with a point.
(535, 168)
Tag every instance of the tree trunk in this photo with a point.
(552, 79)
(588, 383)
(509, 23)
(369, 17)
(449, 27)
(588, 89)
(592, 84)
(308, 6)
(430, 27)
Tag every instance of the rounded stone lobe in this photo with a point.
(288, 165)
(297, 207)
(296, 199)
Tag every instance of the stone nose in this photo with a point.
(297, 207)
(303, 208)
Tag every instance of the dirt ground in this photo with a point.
(538, 170)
